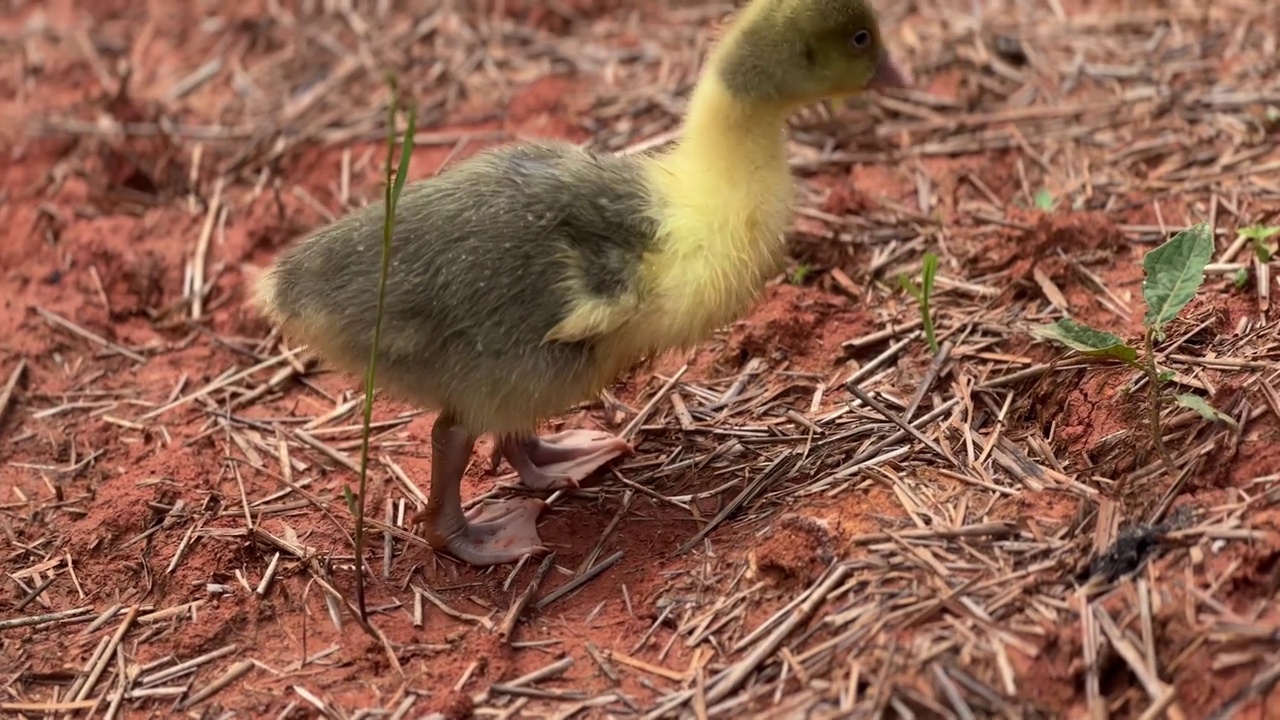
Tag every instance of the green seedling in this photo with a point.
(922, 293)
(1044, 200)
(800, 273)
(1259, 235)
(1174, 273)
(394, 186)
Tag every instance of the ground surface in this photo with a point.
(176, 538)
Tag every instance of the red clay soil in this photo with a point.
(99, 230)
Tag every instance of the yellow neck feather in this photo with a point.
(723, 199)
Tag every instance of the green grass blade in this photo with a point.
(392, 197)
(1175, 271)
(928, 272)
(909, 287)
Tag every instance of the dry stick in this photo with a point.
(893, 418)
(370, 629)
(644, 413)
(273, 383)
(605, 666)
(882, 335)
(406, 705)
(126, 677)
(952, 693)
(36, 592)
(513, 615)
(388, 540)
(231, 675)
(221, 383)
(103, 619)
(578, 581)
(268, 575)
(74, 689)
(874, 364)
(762, 628)
(1093, 683)
(754, 367)
(56, 319)
(1162, 695)
(1258, 687)
(181, 668)
(48, 707)
(328, 450)
(110, 650)
(202, 252)
(451, 611)
(592, 556)
(930, 376)
(748, 493)
(556, 668)
(739, 672)
(897, 437)
(7, 393)
(638, 664)
(1170, 495)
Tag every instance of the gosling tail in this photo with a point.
(263, 296)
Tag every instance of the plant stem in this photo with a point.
(394, 183)
(1153, 406)
(928, 272)
(929, 336)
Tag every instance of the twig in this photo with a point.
(513, 615)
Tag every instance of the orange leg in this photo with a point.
(491, 534)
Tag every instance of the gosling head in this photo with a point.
(794, 52)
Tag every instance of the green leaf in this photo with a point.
(1175, 271)
(1262, 251)
(1084, 339)
(1164, 376)
(406, 154)
(1259, 232)
(910, 287)
(928, 272)
(350, 498)
(1242, 278)
(1044, 200)
(1207, 411)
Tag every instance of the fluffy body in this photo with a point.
(524, 280)
(527, 278)
(487, 259)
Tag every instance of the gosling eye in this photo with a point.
(861, 40)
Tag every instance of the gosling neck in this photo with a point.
(729, 135)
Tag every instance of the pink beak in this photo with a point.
(888, 75)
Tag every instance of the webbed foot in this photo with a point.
(563, 460)
(494, 533)
(491, 534)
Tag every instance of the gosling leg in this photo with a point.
(562, 460)
(491, 534)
